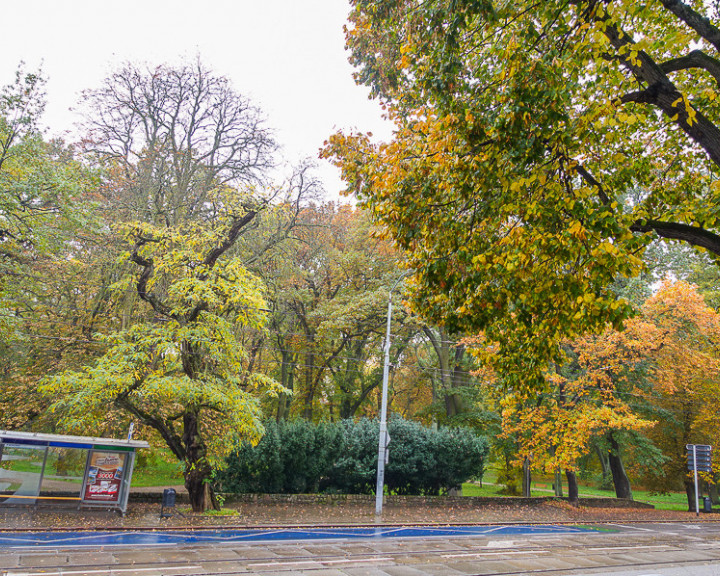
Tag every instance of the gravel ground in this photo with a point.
(289, 513)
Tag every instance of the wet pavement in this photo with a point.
(663, 548)
(549, 538)
(97, 538)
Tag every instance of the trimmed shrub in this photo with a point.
(299, 457)
(355, 469)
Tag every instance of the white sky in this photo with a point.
(287, 56)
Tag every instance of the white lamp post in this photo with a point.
(384, 437)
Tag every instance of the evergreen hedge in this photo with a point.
(299, 457)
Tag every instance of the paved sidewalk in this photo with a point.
(667, 549)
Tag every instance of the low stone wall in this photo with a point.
(440, 501)
(444, 501)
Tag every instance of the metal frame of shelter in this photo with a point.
(105, 482)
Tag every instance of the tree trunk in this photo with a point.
(606, 483)
(453, 376)
(557, 485)
(620, 479)
(690, 492)
(346, 409)
(309, 386)
(527, 479)
(287, 379)
(573, 491)
(197, 468)
(713, 493)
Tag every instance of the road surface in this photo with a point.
(664, 549)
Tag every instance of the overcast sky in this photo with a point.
(286, 55)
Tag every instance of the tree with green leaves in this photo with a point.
(185, 160)
(328, 289)
(182, 371)
(45, 220)
(521, 128)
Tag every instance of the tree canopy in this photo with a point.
(538, 148)
(184, 158)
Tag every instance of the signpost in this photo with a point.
(699, 457)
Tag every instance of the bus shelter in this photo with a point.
(59, 470)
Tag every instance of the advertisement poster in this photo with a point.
(104, 477)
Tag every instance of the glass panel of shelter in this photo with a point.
(64, 471)
(21, 471)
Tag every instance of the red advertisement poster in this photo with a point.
(104, 477)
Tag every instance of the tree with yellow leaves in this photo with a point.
(182, 371)
(538, 147)
(685, 377)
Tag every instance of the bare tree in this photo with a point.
(169, 136)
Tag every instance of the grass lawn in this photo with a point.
(156, 471)
(672, 501)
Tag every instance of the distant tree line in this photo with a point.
(159, 272)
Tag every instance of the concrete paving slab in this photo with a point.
(441, 570)
(218, 555)
(271, 572)
(145, 556)
(328, 550)
(649, 558)
(256, 553)
(328, 572)
(556, 562)
(90, 558)
(353, 548)
(289, 550)
(401, 570)
(365, 571)
(43, 560)
(469, 567)
(10, 560)
(436, 544)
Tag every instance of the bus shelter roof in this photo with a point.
(65, 441)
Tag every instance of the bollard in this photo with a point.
(168, 501)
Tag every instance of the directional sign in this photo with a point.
(702, 461)
(700, 454)
(700, 448)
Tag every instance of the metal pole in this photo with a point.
(382, 444)
(383, 441)
(697, 497)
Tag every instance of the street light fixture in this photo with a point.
(383, 454)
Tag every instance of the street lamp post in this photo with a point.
(384, 436)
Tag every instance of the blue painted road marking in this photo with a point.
(151, 538)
